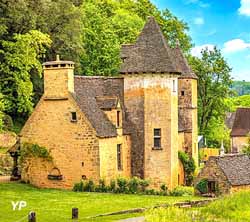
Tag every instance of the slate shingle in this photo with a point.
(241, 125)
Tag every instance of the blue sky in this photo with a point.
(224, 23)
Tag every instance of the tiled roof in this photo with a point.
(150, 53)
(107, 102)
(241, 125)
(87, 89)
(182, 64)
(236, 168)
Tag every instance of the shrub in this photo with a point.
(122, 185)
(101, 187)
(133, 185)
(202, 186)
(150, 192)
(182, 191)
(78, 187)
(89, 186)
(143, 185)
(112, 187)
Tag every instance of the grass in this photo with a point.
(55, 205)
(234, 208)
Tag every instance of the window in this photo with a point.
(157, 138)
(182, 93)
(118, 118)
(174, 86)
(119, 156)
(73, 117)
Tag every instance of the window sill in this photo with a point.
(73, 121)
(157, 148)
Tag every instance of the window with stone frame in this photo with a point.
(73, 117)
(157, 138)
(182, 93)
(119, 156)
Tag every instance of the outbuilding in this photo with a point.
(224, 175)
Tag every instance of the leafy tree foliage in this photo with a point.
(19, 58)
(89, 32)
(241, 87)
(109, 23)
(246, 148)
(213, 86)
(233, 103)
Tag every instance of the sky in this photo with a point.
(221, 23)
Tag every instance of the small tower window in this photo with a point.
(157, 138)
(119, 156)
(118, 119)
(174, 85)
(182, 93)
(73, 117)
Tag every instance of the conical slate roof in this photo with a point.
(182, 64)
(150, 53)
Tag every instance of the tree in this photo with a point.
(101, 44)
(213, 86)
(1, 111)
(246, 148)
(19, 58)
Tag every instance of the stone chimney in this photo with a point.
(58, 78)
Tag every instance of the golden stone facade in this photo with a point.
(107, 127)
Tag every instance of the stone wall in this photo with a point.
(238, 143)
(108, 157)
(73, 145)
(6, 164)
(188, 113)
(151, 102)
(211, 171)
(7, 139)
(134, 102)
(240, 188)
(181, 147)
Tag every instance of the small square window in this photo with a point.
(182, 93)
(73, 117)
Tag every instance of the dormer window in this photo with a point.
(73, 117)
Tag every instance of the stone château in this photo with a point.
(105, 127)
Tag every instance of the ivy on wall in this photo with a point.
(188, 165)
(34, 150)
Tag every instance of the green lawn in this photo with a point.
(234, 208)
(55, 205)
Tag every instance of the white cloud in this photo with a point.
(235, 45)
(197, 2)
(199, 21)
(196, 51)
(244, 7)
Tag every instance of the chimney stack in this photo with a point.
(58, 78)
